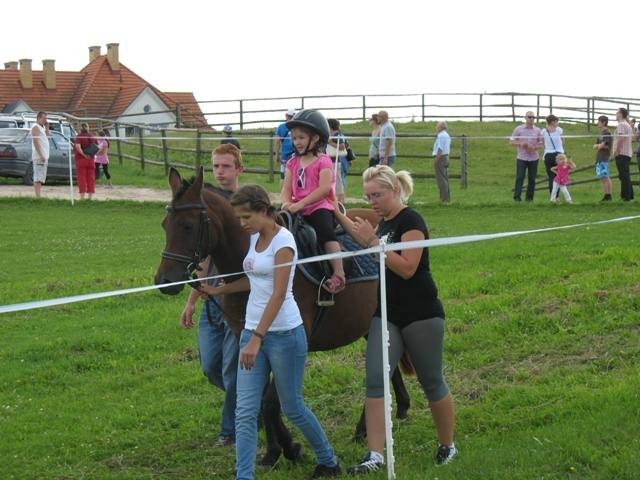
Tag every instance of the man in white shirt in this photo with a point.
(441, 150)
(40, 151)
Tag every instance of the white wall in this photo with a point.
(148, 97)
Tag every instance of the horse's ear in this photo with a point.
(198, 182)
(175, 181)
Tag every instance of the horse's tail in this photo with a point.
(406, 365)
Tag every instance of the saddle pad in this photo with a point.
(362, 268)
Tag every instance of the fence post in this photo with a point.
(118, 144)
(141, 139)
(423, 117)
(550, 104)
(165, 151)
(513, 108)
(271, 159)
(301, 103)
(538, 107)
(463, 162)
(481, 108)
(588, 115)
(178, 115)
(241, 115)
(199, 150)
(364, 107)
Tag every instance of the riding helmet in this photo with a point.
(313, 120)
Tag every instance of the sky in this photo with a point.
(250, 48)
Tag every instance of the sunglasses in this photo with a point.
(530, 116)
(301, 178)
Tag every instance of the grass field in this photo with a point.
(542, 344)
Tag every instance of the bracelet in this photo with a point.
(257, 334)
(371, 239)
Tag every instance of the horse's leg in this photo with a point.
(403, 402)
(279, 439)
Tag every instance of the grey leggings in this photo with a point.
(423, 340)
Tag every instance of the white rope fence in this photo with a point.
(379, 250)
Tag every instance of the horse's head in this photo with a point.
(187, 232)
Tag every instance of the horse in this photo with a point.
(200, 223)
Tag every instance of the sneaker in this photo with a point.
(366, 465)
(322, 471)
(445, 454)
(224, 441)
(606, 198)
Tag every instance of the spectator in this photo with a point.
(387, 147)
(603, 152)
(441, 150)
(552, 137)
(273, 340)
(337, 150)
(217, 344)
(374, 141)
(414, 312)
(636, 138)
(283, 146)
(84, 151)
(227, 132)
(562, 170)
(527, 137)
(622, 152)
(309, 186)
(40, 151)
(102, 157)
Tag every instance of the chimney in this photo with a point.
(49, 71)
(94, 52)
(112, 56)
(11, 65)
(26, 75)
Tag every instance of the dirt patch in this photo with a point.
(118, 192)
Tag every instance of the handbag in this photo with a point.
(350, 155)
(91, 149)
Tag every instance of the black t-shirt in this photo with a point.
(416, 298)
(604, 154)
(225, 193)
(230, 140)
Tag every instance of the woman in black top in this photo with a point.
(414, 312)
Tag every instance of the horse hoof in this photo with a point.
(359, 437)
(294, 453)
(270, 459)
(402, 413)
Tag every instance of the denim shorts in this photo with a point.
(602, 170)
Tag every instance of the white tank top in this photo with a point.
(43, 141)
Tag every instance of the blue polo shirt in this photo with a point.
(286, 145)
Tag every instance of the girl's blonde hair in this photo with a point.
(563, 156)
(385, 176)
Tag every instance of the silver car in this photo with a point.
(15, 155)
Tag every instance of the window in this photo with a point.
(146, 108)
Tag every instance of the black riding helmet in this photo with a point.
(313, 120)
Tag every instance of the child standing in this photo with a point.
(603, 152)
(309, 185)
(562, 169)
(102, 157)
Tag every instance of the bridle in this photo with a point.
(193, 262)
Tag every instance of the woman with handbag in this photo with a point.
(374, 140)
(84, 151)
(552, 137)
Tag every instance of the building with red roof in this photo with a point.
(104, 88)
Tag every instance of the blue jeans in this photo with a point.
(218, 349)
(284, 354)
(530, 169)
(391, 160)
(344, 167)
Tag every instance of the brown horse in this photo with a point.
(201, 223)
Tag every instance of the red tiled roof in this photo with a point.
(96, 91)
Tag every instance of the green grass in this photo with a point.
(542, 348)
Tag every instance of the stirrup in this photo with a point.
(324, 302)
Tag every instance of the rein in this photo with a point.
(193, 262)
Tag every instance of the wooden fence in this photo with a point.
(506, 106)
(156, 140)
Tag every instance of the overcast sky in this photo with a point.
(242, 49)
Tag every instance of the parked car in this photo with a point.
(15, 155)
(56, 122)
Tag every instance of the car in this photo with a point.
(15, 155)
(56, 122)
